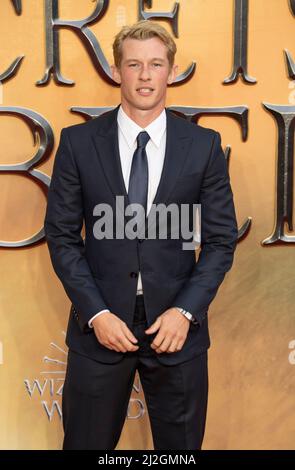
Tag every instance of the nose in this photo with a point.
(145, 73)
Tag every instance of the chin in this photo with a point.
(146, 104)
(143, 105)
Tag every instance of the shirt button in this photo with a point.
(133, 274)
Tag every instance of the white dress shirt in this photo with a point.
(128, 131)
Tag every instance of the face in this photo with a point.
(144, 74)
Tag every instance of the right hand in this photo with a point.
(113, 333)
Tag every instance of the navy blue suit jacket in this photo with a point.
(98, 274)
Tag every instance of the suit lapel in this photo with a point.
(178, 142)
(177, 145)
(107, 148)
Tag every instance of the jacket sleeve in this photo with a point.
(63, 224)
(219, 233)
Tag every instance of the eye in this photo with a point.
(158, 65)
(132, 65)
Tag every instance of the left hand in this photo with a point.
(173, 329)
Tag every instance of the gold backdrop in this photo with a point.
(251, 360)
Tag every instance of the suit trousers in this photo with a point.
(96, 396)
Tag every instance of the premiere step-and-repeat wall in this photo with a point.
(237, 75)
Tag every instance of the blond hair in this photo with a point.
(144, 29)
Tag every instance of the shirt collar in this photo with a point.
(130, 129)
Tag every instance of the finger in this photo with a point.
(154, 327)
(158, 340)
(106, 344)
(129, 334)
(164, 346)
(180, 345)
(119, 346)
(112, 347)
(127, 345)
(173, 346)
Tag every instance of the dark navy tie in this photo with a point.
(139, 174)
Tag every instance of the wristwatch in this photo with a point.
(188, 315)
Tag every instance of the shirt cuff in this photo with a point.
(96, 315)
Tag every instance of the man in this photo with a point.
(138, 303)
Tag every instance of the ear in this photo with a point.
(172, 74)
(116, 76)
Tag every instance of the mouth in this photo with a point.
(145, 91)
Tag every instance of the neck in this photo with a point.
(142, 117)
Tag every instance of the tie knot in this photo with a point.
(142, 139)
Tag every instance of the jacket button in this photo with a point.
(133, 274)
